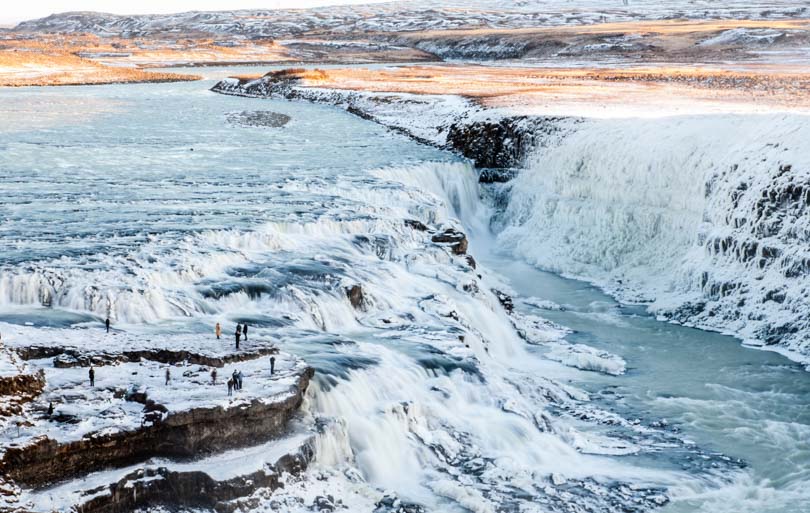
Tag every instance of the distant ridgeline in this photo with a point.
(396, 17)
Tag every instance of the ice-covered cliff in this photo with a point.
(706, 217)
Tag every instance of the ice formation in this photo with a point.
(707, 218)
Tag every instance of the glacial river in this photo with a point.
(169, 208)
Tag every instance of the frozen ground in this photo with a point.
(83, 410)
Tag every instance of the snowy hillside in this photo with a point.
(412, 16)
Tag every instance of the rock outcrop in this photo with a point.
(64, 357)
(454, 239)
(164, 486)
(19, 383)
(183, 434)
(68, 428)
(356, 296)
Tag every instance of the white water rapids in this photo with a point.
(144, 203)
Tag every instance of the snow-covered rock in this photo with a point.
(142, 406)
(705, 217)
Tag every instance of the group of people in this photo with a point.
(235, 382)
(241, 332)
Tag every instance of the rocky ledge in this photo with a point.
(171, 403)
(223, 482)
(19, 383)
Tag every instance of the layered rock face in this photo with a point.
(148, 405)
(185, 434)
(19, 383)
(758, 252)
(148, 487)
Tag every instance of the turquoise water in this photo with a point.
(748, 404)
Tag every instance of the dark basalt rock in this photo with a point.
(392, 504)
(65, 357)
(773, 334)
(356, 297)
(496, 175)
(163, 487)
(500, 144)
(454, 238)
(505, 300)
(18, 389)
(323, 504)
(416, 225)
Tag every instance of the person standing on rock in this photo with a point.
(218, 330)
(92, 375)
(50, 408)
(244, 331)
(272, 365)
(239, 379)
(213, 376)
(238, 334)
(107, 324)
(168, 375)
(230, 387)
(235, 379)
